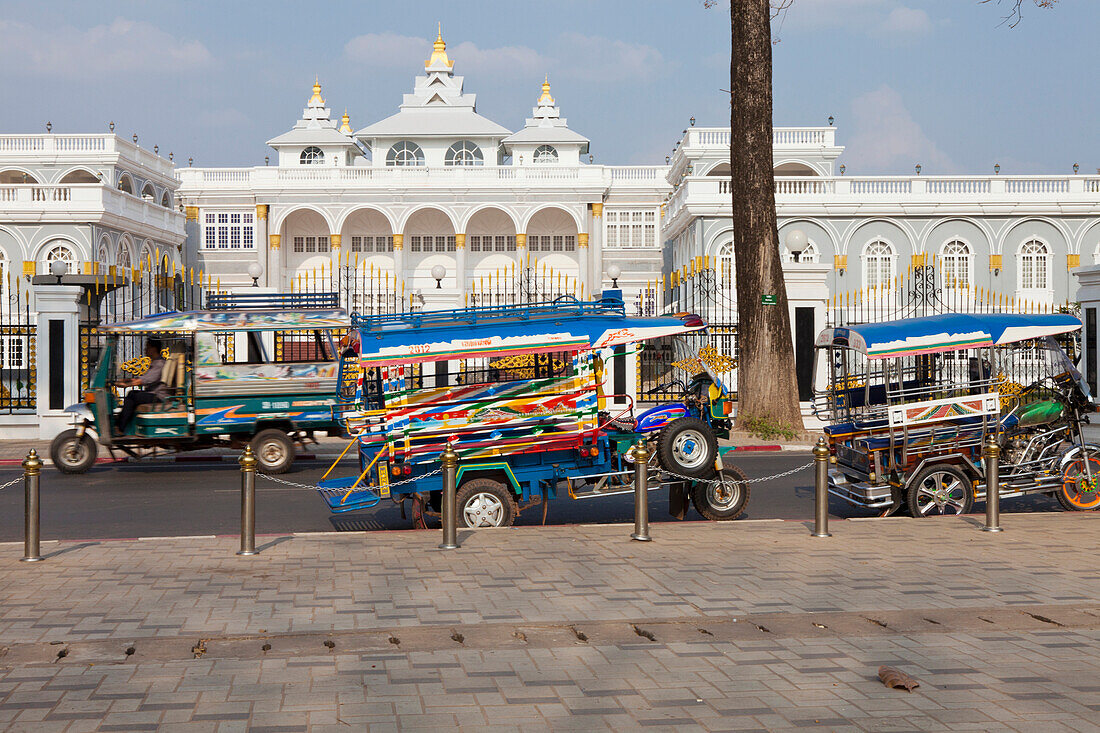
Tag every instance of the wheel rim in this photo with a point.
(723, 496)
(1077, 489)
(690, 449)
(272, 453)
(483, 510)
(74, 452)
(941, 492)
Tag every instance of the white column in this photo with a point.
(595, 245)
(264, 252)
(461, 280)
(58, 385)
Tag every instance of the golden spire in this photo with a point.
(546, 100)
(345, 123)
(439, 52)
(316, 98)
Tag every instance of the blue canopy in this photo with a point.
(946, 332)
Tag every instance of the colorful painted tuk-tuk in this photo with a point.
(521, 393)
(910, 403)
(259, 370)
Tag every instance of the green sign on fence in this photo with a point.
(768, 299)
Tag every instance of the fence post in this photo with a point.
(248, 502)
(991, 452)
(449, 459)
(821, 489)
(32, 469)
(641, 493)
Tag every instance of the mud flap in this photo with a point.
(678, 499)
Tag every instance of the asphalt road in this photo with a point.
(156, 500)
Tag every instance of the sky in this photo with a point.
(943, 83)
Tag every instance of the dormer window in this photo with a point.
(464, 152)
(312, 156)
(405, 153)
(546, 154)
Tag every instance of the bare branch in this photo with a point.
(1017, 13)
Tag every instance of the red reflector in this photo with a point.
(408, 470)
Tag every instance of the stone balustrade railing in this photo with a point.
(83, 202)
(80, 148)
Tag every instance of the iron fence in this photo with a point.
(18, 345)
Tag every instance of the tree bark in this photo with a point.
(767, 389)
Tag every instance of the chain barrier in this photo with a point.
(747, 481)
(315, 487)
(15, 480)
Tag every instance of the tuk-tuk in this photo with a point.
(521, 394)
(911, 403)
(259, 370)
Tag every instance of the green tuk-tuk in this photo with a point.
(260, 370)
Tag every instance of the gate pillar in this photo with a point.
(58, 355)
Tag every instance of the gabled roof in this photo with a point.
(438, 122)
(547, 135)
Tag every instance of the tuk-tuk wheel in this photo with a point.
(687, 447)
(72, 454)
(1078, 493)
(942, 489)
(725, 501)
(484, 502)
(274, 451)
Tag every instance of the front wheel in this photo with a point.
(1079, 492)
(484, 502)
(724, 501)
(940, 489)
(274, 451)
(687, 447)
(73, 454)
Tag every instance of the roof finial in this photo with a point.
(316, 98)
(439, 51)
(546, 100)
(345, 123)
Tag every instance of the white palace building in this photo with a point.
(436, 186)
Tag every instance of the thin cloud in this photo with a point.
(610, 60)
(907, 21)
(390, 50)
(133, 47)
(886, 138)
(869, 16)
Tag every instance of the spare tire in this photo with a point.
(687, 447)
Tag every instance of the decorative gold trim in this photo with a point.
(994, 262)
(273, 240)
(1073, 261)
(460, 241)
(439, 52)
(521, 241)
(335, 240)
(917, 260)
(261, 212)
(840, 262)
(398, 242)
(582, 240)
(597, 210)
(28, 267)
(192, 213)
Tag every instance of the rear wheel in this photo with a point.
(687, 447)
(73, 454)
(724, 501)
(274, 451)
(1079, 493)
(940, 489)
(484, 502)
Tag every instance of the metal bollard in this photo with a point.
(449, 459)
(248, 502)
(641, 493)
(32, 468)
(991, 452)
(821, 489)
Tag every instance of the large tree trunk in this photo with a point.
(767, 390)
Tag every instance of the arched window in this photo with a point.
(103, 256)
(312, 156)
(123, 257)
(464, 152)
(125, 184)
(956, 258)
(79, 175)
(166, 199)
(546, 154)
(1034, 258)
(808, 255)
(59, 252)
(405, 153)
(879, 263)
(148, 192)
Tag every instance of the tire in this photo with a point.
(71, 454)
(942, 489)
(1076, 495)
(483, 502)
(687, 447)
(725, 502)
(274, 451)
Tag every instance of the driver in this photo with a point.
(152, 390)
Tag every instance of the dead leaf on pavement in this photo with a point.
(897, 679)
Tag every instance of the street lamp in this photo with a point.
(254, 272)
(58, 268)
(438, 271)
(614, 272)
(796, 243)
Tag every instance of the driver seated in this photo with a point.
(152, 391)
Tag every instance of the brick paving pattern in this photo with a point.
(1002, 631)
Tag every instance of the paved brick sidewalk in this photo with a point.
(743, 625)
